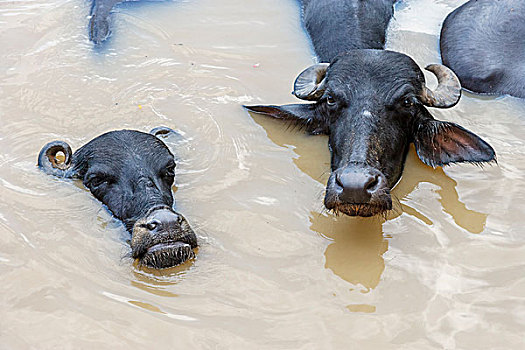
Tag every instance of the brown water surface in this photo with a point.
(274, 270)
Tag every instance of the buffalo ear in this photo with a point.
(302, 115)
(162, 132)
(440, 143)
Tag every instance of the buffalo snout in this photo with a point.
(358, 191)
(162, 239)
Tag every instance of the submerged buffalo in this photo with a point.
(482, 41)
(99, 27)
(372, 104)
(132, 173)
(99, 23)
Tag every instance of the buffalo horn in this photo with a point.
(47, 159)
(310, 84)
(448, 91)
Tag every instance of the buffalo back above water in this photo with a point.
(337, 26)
(483, 42)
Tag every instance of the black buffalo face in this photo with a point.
(132, 173)
(371, 103)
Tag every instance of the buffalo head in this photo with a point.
(373, 104)
(132, 173)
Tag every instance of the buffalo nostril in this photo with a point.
(152, 225)
(339, 181)
(372, 183)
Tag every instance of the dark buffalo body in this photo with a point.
(337, 26)
(99, 24)
(132, 173)
(483, 41)
(372, 104)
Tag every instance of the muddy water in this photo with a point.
(274, 271)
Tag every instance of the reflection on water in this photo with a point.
(274, 270)
(470, 220)
(357, 248)
(159, 282)
(148, 307)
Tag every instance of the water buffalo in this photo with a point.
(372, 104)
(131, 172)
(99, 23)
(99, 28)
(482, 41)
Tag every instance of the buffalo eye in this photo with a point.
(95, 182)
(330, 101)
(408, 102)
(169, 173)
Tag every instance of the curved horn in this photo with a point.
(310, 84)
(47, 159)
(448, 91)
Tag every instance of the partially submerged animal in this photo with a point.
(132, 173)
(483, 42)
(99, 26)
(372, 103)
(100, 19)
